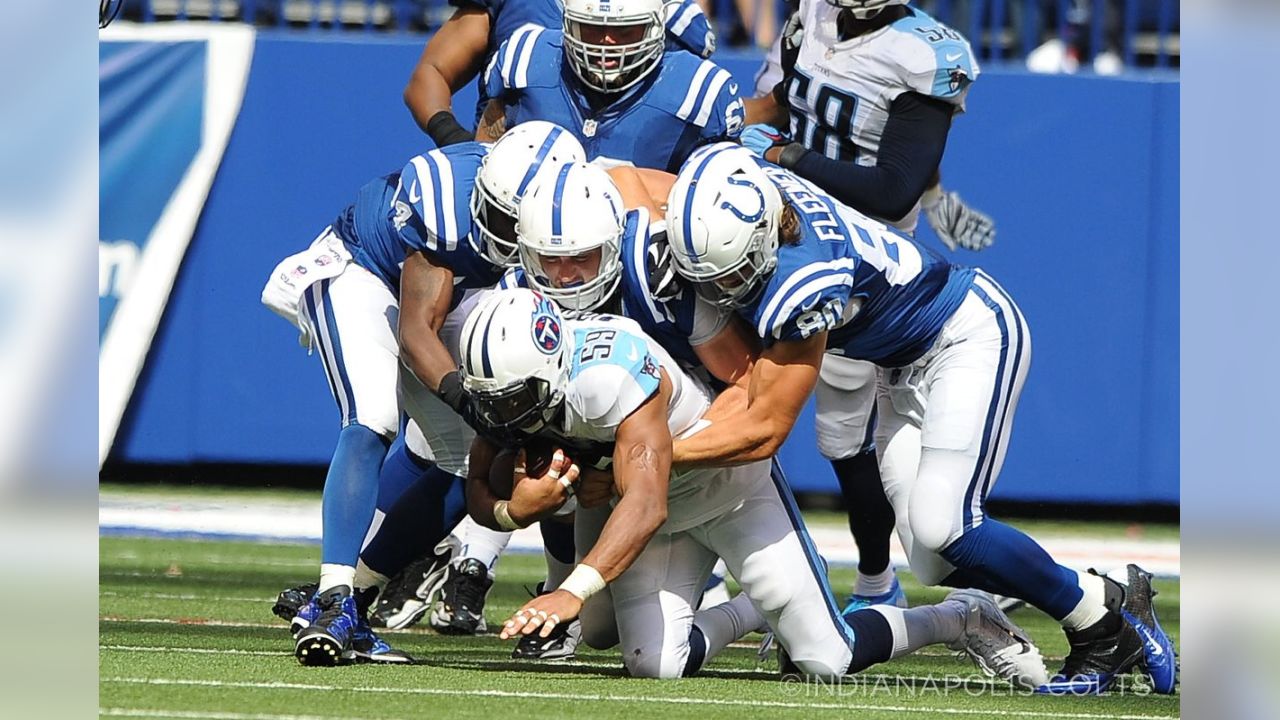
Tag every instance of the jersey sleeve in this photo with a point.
(808, 301)
(688, 27)
(613, 387)
(428, 187)
(939, 64)
(713, 103)
(510, 67)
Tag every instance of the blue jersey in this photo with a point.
(882, 297)
(674, 324)
(684, 103)
(687, 26)
(426, 207)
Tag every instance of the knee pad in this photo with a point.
(931, 529)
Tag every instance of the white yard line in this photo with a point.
(597, 697)
(171, 596)
(207, 714)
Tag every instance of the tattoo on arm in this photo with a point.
(643, 457)
(493, 123)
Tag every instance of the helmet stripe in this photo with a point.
(688, 204)
(557, 199)
(486, 365)
(537, 160)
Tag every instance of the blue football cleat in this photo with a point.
(1159, 659)
(327, 640)
(306, 615)
(894, 597)
(366, 646)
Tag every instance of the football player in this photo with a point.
(870, 128)
(608, 77)
(466, 42)
(816, 277)
(379, 290)
(868, 90)
(599, 381)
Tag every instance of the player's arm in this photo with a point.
(911, 148)
(532, 498)
(767, 110)
(641, 469)
(493, 123)
(643, 187)
(426, 291)
(451, 59)
(780, 383)
(730, 354)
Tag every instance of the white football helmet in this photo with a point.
(515, 360)
(722, 222)
(522, 154)
(638, 39)
(572, 213)
(865, 9)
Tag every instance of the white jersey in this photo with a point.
(614, 370)
(840, 90)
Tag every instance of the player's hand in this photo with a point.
(760, 137)
(596, 488)
(959, 225)
(545, 611)
(664, 281)
(535, 498)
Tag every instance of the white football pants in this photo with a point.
(650, 608)
(945, 421)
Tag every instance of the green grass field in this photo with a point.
(186, 632)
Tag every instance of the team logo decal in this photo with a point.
(650, 367)
(745, 217)
(546, 328)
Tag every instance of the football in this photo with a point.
(538, 455)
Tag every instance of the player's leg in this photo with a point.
(846, 421)
(412, 545)
(768, 549)
(653, 602)
(352, 318)
(974, 387)
(599, 624)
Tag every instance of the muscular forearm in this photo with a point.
(738, 439)
(427, 358)
(427, 94)
(632, 523)
(480, 497)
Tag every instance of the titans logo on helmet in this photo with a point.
(546, 330)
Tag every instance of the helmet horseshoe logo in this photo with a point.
(744, 217)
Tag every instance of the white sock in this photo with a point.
(727, 622)
(1091, 607)
(332, 575)
(365, 577)
(483, 544)
(917, 627)
(869, 584)
(556, 572)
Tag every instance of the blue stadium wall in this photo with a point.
(1080, 172)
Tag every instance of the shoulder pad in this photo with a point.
(699, 86)
(524, 58)
(434, 185)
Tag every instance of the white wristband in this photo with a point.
(502, 514)
(583, 582)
